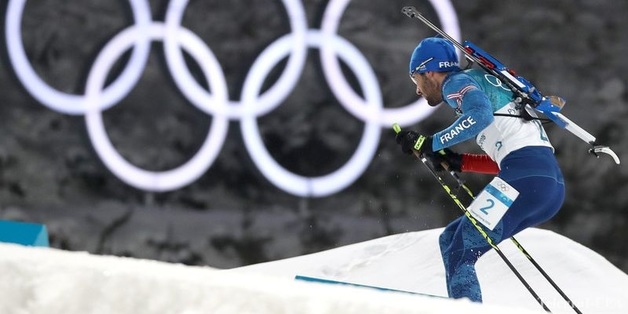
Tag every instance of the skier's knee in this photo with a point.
(444, 240)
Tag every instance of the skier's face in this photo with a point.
(428, 87)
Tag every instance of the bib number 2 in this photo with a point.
(493, 202)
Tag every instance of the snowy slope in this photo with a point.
(411, 262)
(39, 280)
(50, 281)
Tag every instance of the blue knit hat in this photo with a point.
(434, 54)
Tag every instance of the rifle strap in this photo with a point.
(525, 116)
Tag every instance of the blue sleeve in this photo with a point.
(476, 112)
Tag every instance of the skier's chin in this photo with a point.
(433, 103)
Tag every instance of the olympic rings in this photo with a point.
(493, 80)
(148, 180)
(404, 116)
(252, 104)
(341, 178)
(63, 102)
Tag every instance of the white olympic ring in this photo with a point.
(252, 104)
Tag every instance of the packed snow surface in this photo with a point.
(40, 280)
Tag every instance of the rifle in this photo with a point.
(527, 96)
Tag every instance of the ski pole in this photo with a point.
(488, 239)
(524, 251)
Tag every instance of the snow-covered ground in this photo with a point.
(411, 262)
(38, 280)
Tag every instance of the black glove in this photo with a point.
(446, 156)
(412, 141)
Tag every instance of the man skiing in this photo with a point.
(517, 151)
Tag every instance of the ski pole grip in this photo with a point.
(396, 128)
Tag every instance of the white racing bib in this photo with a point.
(492, 203)
(507, 134)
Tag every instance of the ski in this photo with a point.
(528, 96)
(336, 282)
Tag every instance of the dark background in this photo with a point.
(232, 215)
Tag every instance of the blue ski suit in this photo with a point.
(526, 161)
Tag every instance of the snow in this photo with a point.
(41, 280)
(411, 262)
